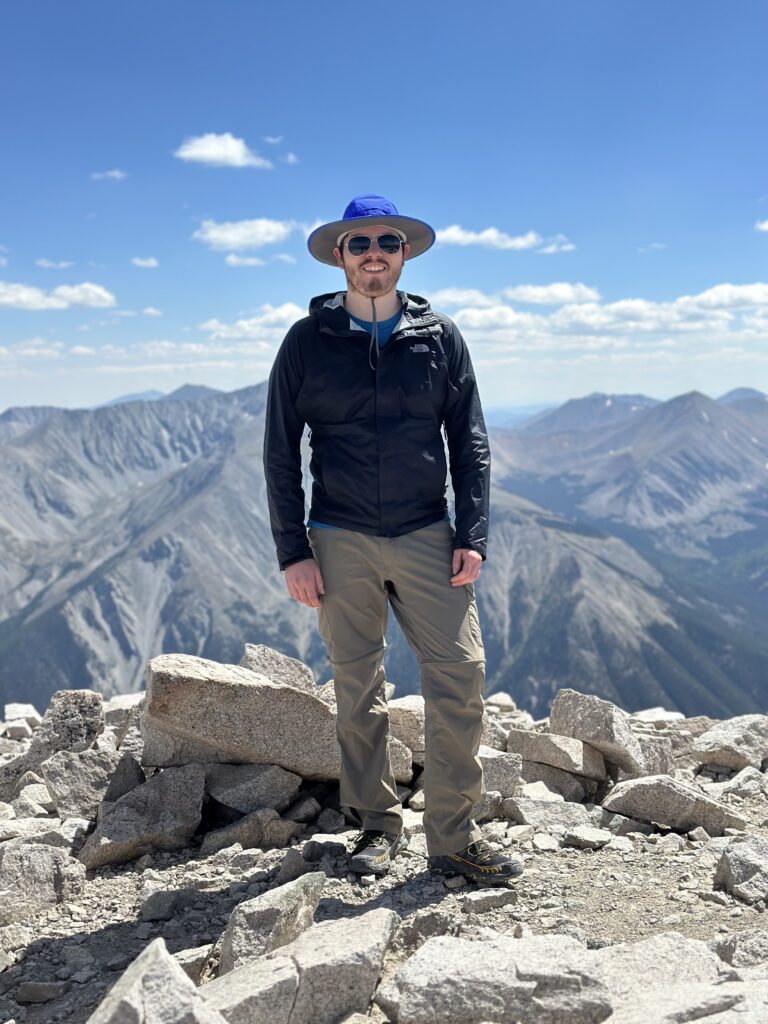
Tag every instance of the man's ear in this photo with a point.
(339, 258)
(406, 251)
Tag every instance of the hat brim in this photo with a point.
(322, 241)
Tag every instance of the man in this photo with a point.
(376, 374)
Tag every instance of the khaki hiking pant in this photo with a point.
(362, 574)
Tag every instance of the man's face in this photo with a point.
(375, 272)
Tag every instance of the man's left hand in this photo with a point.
(465, 566)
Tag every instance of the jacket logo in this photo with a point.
(419, 348)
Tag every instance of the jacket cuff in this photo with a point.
(295, 558)
(472, 547)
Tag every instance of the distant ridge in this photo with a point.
(595, 410)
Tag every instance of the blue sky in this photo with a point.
(596, 172)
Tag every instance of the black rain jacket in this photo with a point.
(378, 460)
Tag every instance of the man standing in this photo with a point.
(376, 375)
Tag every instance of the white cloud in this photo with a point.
(83, 350)
(559, 293)
(53, 264)
(653, 247)
(273, 140)
(559, 243)
(23, 296)
(461, 297)
(291, 158)
(284, 257)
(491, 238)
(224, 150)
(556, 294)
(151, 311)
(244, 261)
(761, 225)
(727, 295)
(269, 320)
(3, 261)
(146, 262)
(243, 234)
(113, 175)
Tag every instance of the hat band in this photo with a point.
(349, 231)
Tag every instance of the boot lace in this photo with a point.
(481, 851)
(368, 837)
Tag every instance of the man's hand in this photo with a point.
(469, 562)
(304, 582)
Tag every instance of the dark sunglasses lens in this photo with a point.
(389, 243)
(358, 244)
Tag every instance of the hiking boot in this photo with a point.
(478, 862)
(374, 850)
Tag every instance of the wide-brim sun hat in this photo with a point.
(368, 210)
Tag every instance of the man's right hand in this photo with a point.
(304, 582)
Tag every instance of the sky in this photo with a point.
(595, 171)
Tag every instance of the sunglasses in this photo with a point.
(359, 244)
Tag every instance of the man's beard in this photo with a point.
(372, 285)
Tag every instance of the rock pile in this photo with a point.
(180, 855)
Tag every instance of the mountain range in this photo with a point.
(627, 556)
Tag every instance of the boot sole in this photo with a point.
(474, 875)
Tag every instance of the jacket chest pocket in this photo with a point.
(423, 380)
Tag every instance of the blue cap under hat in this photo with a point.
(362, 211)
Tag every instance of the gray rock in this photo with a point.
(339, 964)
(600, 724)
(321, 845)
(424, 923)
(564, 752)
(18, 729)
(658, 756)
(270, 920)
(278, 667)
(34, 875)
(292, 866)
(263, 828)
(248, 787)
(631, 971)
(586, 837)
(480, 900)
(502, 700)
(406, 723)
(493, 734)
(32, 802)
(261, 992)
(305, 809)
(743, 868)
(154, 989)
(744, 949)
(501, 770)
(27, 712)
(72, 721)
(200, 710)
(658, 717)
(161, 814)
(192, 961)
(544, 814)
(529, 980)
(735, 743)
(78, 782)
(570, 787)
(748, 782)
(667, 801)
(490, 806)
(119, 708)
